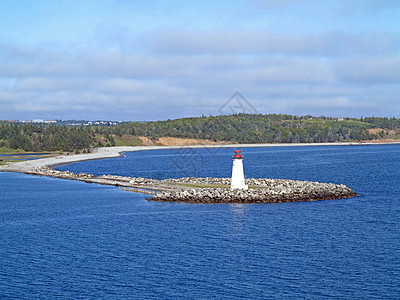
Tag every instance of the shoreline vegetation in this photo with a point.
(212, 130)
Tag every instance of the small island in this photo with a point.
(212, 190)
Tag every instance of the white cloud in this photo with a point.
(193, 73)
(325, 44)
(373, 70)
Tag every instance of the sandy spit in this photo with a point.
(109, 152)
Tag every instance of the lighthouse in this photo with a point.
(237, 172)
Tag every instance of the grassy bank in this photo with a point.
(127, 140)
(223, 186)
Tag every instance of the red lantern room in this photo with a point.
(238, 155)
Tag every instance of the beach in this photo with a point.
(110, 152)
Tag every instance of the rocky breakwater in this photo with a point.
(46, 171)
(115, 180)
(213, 190)
(261, 191)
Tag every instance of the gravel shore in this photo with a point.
(99, 153)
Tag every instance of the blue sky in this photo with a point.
(149, 60)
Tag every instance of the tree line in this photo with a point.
(34, 138)
(254, 128)
(238, 128)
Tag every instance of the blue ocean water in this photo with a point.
(68, 239)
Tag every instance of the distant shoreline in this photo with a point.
(111, 152)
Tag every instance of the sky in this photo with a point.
(155, 60)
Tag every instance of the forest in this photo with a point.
(238, 128)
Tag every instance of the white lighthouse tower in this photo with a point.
(237, 172)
